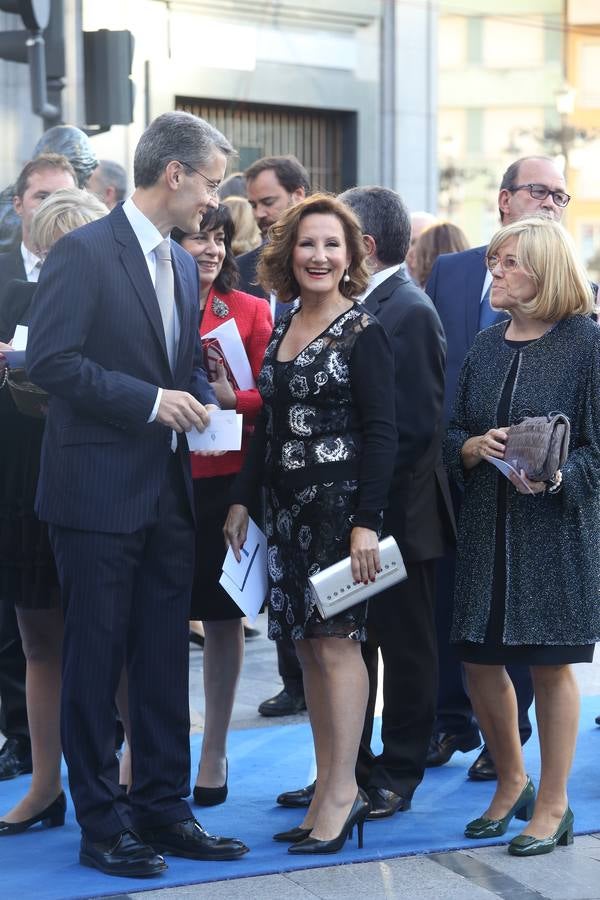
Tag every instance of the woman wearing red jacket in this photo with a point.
(222, 618)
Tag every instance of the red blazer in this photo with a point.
(253, 318)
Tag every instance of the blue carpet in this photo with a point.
(42, 865)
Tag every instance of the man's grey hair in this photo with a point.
(111, 174)
(180, 136)
(383, 214)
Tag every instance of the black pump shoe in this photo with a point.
(293, 836)
(212, 796)
(356, 816)
(51, 817)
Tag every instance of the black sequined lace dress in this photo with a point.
(325, 450)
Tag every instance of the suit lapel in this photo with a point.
(474, 279)
(134, 263)
(19, 265)
(381, 293)
(183, 291)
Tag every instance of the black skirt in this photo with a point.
(28, 575)
(209, 601)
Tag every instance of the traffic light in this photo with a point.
(28, 46)
(35, 15)
(108, 56)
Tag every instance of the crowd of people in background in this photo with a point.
(390, 360)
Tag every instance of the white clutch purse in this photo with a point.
(334, 590)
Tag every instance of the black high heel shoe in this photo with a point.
(51, 817)
(212, 796)
(356, 816)
(293, 836)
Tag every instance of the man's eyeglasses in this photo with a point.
(509, 263)
(540, 192)
(213, 186)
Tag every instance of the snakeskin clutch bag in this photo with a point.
(539, 445)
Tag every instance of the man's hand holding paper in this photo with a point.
(223, 432)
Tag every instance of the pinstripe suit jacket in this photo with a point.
(96, 344)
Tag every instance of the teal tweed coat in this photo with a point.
(552, 540)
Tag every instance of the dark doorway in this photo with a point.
(323, 140)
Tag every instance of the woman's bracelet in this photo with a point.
(555, 482)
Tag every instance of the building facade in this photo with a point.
(295, 76)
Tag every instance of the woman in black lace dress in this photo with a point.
(325, 450)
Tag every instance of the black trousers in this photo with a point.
(127, 597)
(289, 667)
(454, 713)
(401, 623)
(13, 707)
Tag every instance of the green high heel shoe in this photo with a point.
(521, 809)
(527, 845)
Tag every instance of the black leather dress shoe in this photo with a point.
(189, 839)
(282, 704)
(15, 758)
(385, 803)
(124, 855)
(294, 799)
(483, 769)
(442, 745)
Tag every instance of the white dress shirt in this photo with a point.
(32, 264)
(376, 279)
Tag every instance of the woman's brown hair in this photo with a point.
(275, 271)
(435, 240)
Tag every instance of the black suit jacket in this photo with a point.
(420, 509)
(11, 268)
(247, 264)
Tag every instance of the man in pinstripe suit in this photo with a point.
(114, 340)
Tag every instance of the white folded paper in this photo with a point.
(19, 341)
(507, 470)
(246, 581)
(233, 348)
(223, 432)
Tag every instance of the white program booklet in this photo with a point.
(19, 341)
(234, 351)
(246, 581)
(507, 469)
(223, 432)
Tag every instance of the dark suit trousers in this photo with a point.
(127, 597)
(289, 667)
(13, 708)
(454, 713)
(401, 623)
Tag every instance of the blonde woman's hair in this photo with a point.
(61, 212)
(275, 268)
(246, 233)
(545, 250)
